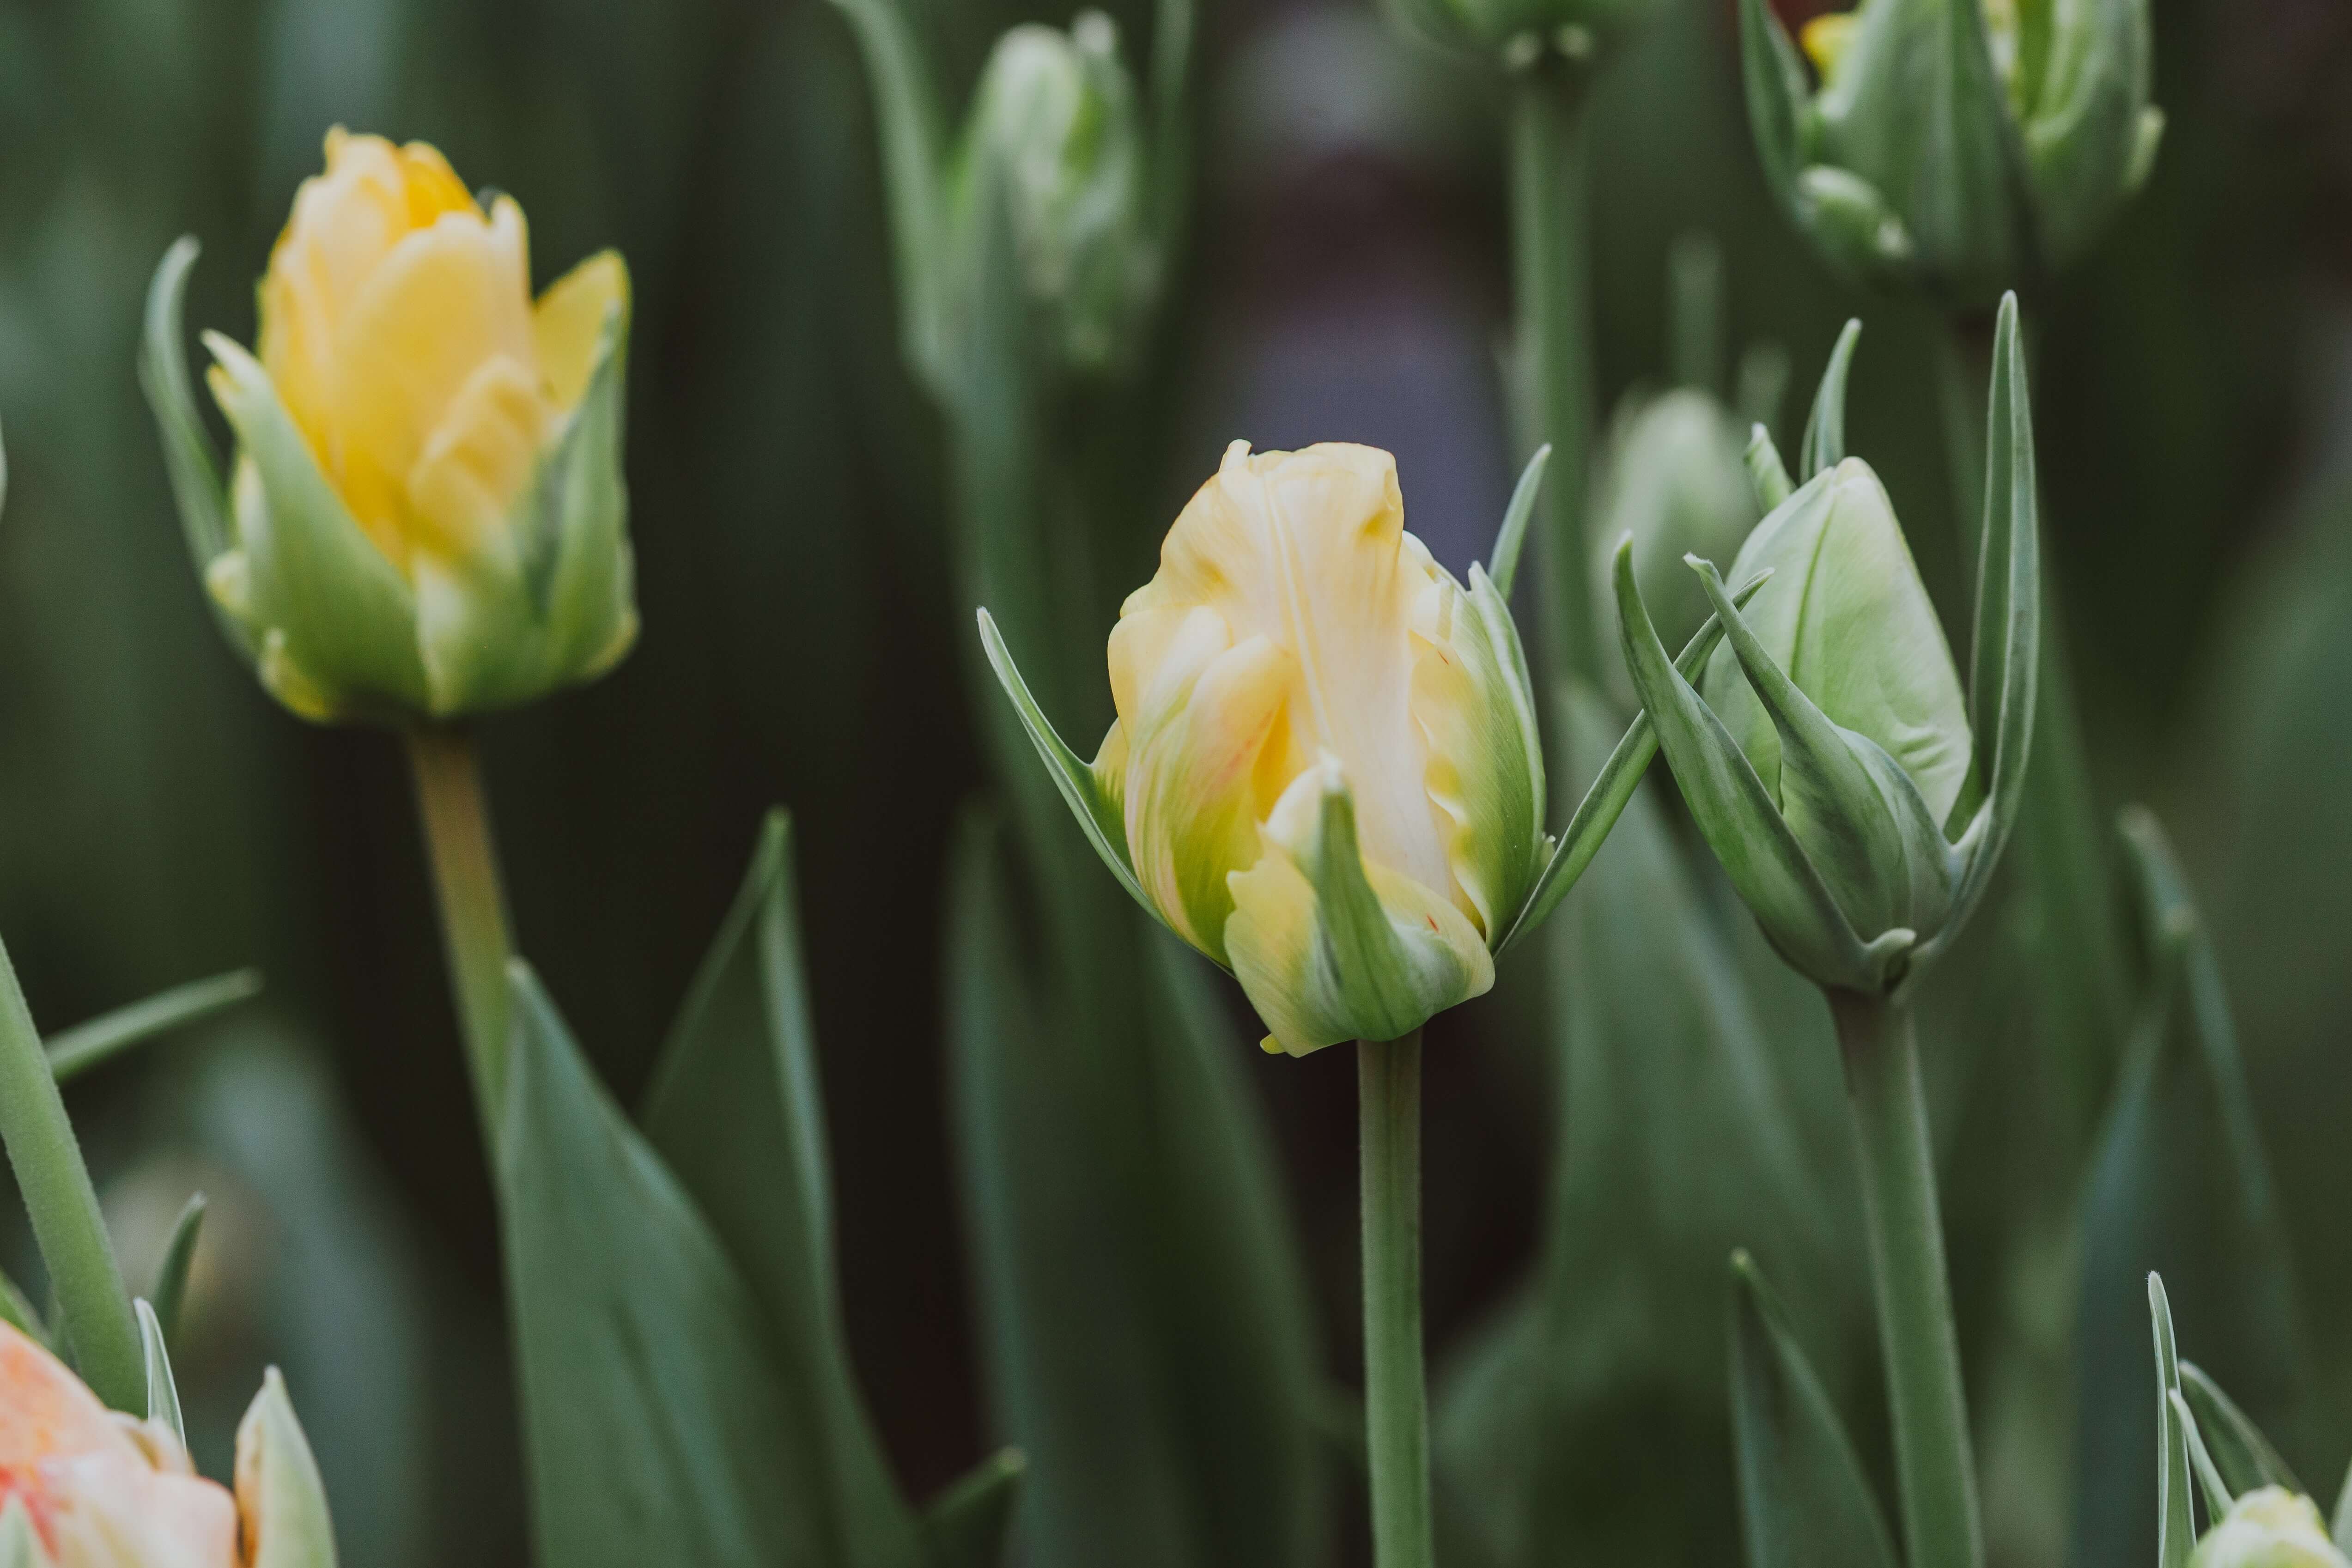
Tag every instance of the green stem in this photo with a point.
(475, 931)
(1934, 1468)
(93, 1305)
(1396, 1402)
(1550, 279)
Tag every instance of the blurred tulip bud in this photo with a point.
(1956, 147)
(1325, 774)
(82, 1487)
(2269, 1528)
(1520, 34)
(427, 516)
(1055, 126)
(279, 1498)
(1833, 754)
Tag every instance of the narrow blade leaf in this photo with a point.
(179, 1256)
(2247, 1460)
(163, 1393)
(1824, 444)
(1514, 535)
(2176, 1529)
(965, 1526)
(74, 1051)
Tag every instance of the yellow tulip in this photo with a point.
(411, 396)
(1325, 770)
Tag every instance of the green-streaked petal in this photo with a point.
(1476, 711)
(279, 1493)
(1099, 812)
(190, 460)
(1737, 816)
(1824, 443)
(1331, 949)
(1774, 81)
(342, 614)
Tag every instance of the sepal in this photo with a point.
(280, 1501)
(1331, 949)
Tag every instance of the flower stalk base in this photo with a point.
(474, 931)
(1396, 1407)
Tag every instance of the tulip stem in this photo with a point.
(1551, 288)
(475, 931)
(1396, 1402)
(93, 1308)
(1935, 1470)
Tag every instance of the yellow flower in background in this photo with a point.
(1325, 774)
(427, 514)
(2269, 1527)
(81, 1487)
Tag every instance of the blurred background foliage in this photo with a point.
(1347, 280)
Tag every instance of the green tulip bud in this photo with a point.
(427, 517)
(2269, 1528)
(1831, 764)
(280, 1501)
(1055, 135)
(1954, 147)
(1520, 34)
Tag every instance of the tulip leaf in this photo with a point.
(1766, 471)
(2176, 1528)
(735, 1113)
(179, 1256)
(2247, 1460)
(1598, 812)
(2006, 655)
(1824, 444)
(1173, 27)
(909, 116)
(2178, 1182)
(1734, 811)
(655, 1419)
(74, 1051)
(1145, 1325)
(17, 1311)
(2218, 1495)
(1802, 1497)
(1098, 815)
(1774, 81)
(1514, 535)
(965, 1526)
(189, 458)
(163, 1393)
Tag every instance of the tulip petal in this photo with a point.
(1329, 948)
(333, 602)
(1476, 707)
(1612, 788)
(1824, 444)
(1736, 814)
(45, 1409)
(279, 1496)
(189, 458)
(1100, 817)
(568, 324)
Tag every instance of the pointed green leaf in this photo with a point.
(965, 1526)
(2006, 657)
(1775, 82)
(16, 1310)
(736, 1112)
(1766, 472)
(1734, 813)
(189, 458)
(2217, 1497)
(74, 1051)
(2341, 1526)
(1514, 535)
(179, 1256)
(1801, 1492)
(2176, 1529)
(1098, 816)
(1824, 444)
(163, 1393)
(2247, 1460)
(1148, 1335)
(1597, 813)
(655, 1415)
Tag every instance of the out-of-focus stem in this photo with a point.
(94, 1309)
(1935, 1469)
(475, 931)
(1552, 287)
(1396, 1402)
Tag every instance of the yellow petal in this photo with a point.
(478, 460)
(1824, 38)
(568, 321)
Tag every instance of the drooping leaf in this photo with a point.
(735, 1114)
(1148, 1337)
(653, 1412)
(2178, 1184)
(1801, 1492)
(74, 1051)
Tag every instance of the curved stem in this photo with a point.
(1551, 285)
(475, 932)
(1934, 1469)
(93, 1308)
(1396, 1404)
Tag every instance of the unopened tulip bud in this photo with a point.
(1956, 147)
(279, 1497)
(1055, 126)
(1325, 774)
(427, 516)
(1520, 35)
(2269, 1528)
